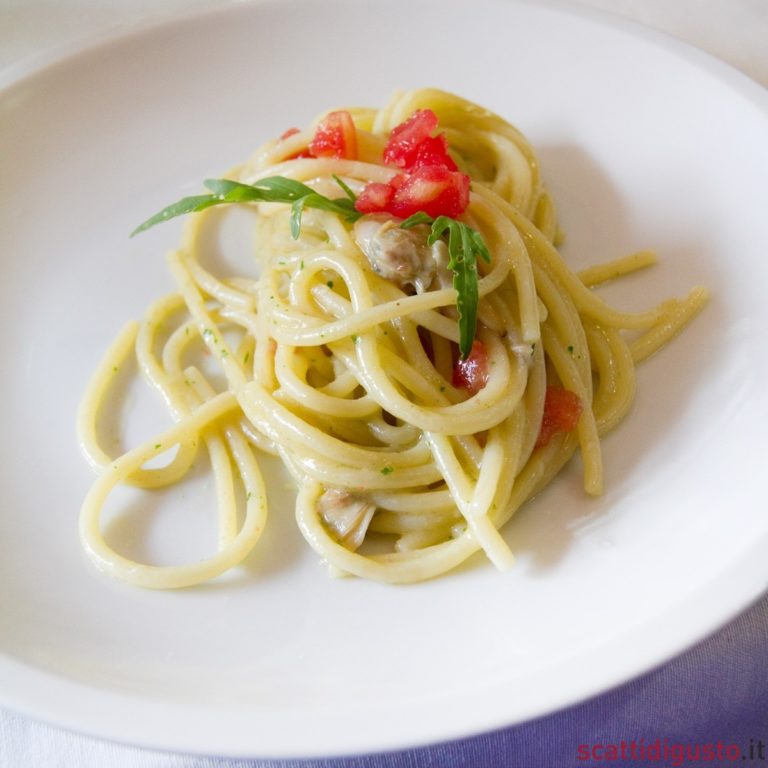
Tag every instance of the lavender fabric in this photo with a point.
(708, 706)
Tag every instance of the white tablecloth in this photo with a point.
(716, 692)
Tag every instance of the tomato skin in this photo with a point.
(335, 136)
(406, 137)
(433, 151)
(375, 198)
(471, 373)
(562, 410)
(434, 190)
(430, 181)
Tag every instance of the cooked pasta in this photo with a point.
(415, 416)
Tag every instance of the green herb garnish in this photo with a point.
(275, 189)
(464, 243)
(464, 246)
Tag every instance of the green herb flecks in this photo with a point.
(464, 246)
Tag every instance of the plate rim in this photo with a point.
(62, 55)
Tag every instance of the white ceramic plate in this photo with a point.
(645, 143)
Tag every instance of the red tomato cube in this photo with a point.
(375, 198)
(434, 190)
(433, 151)
(335, 136)
(562, 410)
(471, 373)
(405, 138)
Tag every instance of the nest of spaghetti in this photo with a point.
(417, 396)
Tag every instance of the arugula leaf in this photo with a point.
(417, 218)
(464, 246)
(274, 189)
(183, 206)
(350, 194)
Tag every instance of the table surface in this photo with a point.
(664, 703)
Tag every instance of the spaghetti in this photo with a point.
(411, 442)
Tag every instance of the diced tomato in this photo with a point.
(434, 190)
(562, 410)
(374, 198)
(397, 181)
(335, 136)
(290, 132)
(411, 144)
(405, 138)
(433, 151)
(430, 181)
(471, 373)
